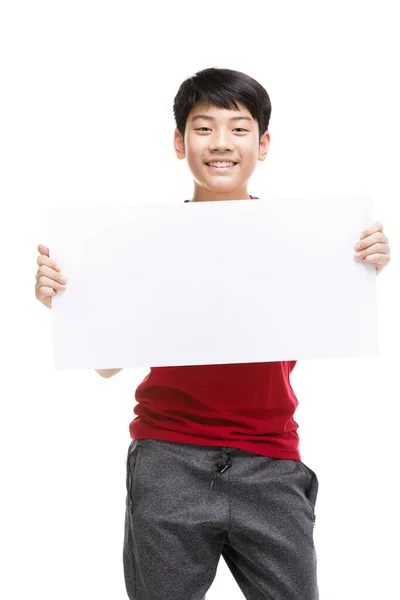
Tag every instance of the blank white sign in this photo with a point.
(212, 283)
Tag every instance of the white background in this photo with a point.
(86, 120)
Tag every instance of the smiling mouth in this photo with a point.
(227, 165)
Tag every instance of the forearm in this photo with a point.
(107, 373)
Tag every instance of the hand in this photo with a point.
(374, 247)
(48, 277)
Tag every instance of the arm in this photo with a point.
(107, 373)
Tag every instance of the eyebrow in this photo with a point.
(208, 118)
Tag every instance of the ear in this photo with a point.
(264, 145)
(179, 144)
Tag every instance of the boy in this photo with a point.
(214, 466)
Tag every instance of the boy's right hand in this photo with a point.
(48, 277)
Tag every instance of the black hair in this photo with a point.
(222, 88)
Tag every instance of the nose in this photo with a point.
(221, 141)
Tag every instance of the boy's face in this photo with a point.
(217, 134)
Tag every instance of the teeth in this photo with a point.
(221, 164)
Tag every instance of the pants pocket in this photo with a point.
(311, 490)
(132, 463)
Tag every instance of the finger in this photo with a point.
(44, 260)
(45, 282)
(45, 273)
(372, 239)
(43, 250)
(44, 292)
(378, 259)
(374, 249)
(374, 228)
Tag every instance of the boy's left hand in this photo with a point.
(374, 247)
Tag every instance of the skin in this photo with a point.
(205, 140)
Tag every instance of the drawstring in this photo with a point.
(223, 463)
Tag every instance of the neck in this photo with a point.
(204, 195)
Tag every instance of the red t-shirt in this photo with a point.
(246, 405)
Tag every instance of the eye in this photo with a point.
(236, 128)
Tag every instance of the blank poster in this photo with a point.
(212, 283)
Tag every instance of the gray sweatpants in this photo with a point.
(187, 504)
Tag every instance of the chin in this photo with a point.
(224, 186)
